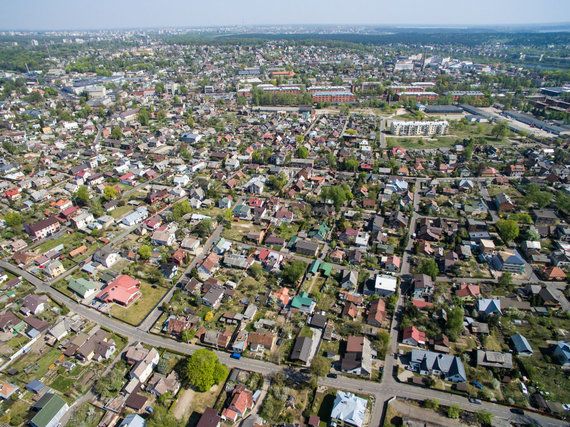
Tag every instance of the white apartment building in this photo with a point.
(419, 128)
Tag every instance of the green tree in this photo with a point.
(508, 229)
(13, 220)
(454, 411)
(190, 122)
(351, 165)
(294, 270)
(110, 193)
(117, 133)
(203, 370)
(162, 417)
(82, 196)
(180, 209)
(429, 267)
(454, 322)
(500, 130)
(506, 279)
(320, 366)
(145, 251)
(162, 367)
(302, 152)
(204, 228)
(277, 182)
(484, 417)
(431, 403)
(143, 117)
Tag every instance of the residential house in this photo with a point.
(357, 358)
(124, 290)
(412, 336)
(302, 350)
(241, 402)
(51, 408)
(34, 304)
(376, 313)
(522, 347)
(508, 260)
(43, 228)
(423, 286)
(494, 359)
(561, 353)
(348, 410)
(428, 362)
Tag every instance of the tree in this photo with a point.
(454, 322)
(162, 417)
(294, 270)
(117, 133)
(162, 367)
(208, 316)
(484, 417)
(431, 403)
(82, 196)
(508, 229)
(143, 117)
(351, 165)
(302, 152)
(277, 182)
(110, 193)
(500, 129)
(203, 370)
(190, 122)
(506, 279)
(187, 335)
(429, 267)
(320, 366)
(454, 411)
(13, 220)
(145, 251)
(180, 209)
(204, 228)
(532, 235)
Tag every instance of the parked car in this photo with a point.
(476, 401)
(148, 409)
(236, 356)
(332, 375)
(476, 384)
(517, 411)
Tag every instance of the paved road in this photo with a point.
(381, 392)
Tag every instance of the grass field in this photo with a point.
(141, 307)
(120, 211)
(69, 240)
(239, 230)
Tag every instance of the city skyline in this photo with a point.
(61, 15)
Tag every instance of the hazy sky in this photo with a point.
(104, 14)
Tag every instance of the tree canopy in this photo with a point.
(508, 229)
(302, 152)
(203, 370)
(294, 270)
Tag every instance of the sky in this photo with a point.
(113, 14)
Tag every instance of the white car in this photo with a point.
(524, 389)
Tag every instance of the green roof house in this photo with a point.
(326, 268)
(303, 303)
(314, 268)
(50, 408)
(82, 287)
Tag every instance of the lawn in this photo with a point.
(322, 406)
(287, 231)
(239, 230)
(509, 190)
(120, 211)
(70, 241)
(136, 313)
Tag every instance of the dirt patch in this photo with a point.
(183, 404)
